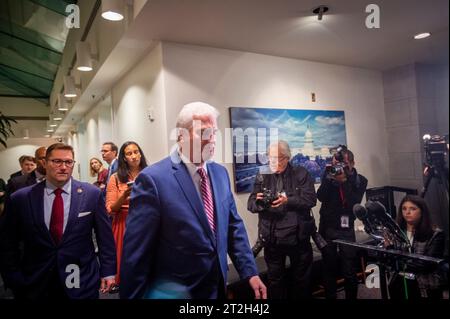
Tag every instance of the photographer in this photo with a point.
(341, 188)
(283, 199)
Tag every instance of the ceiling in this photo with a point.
(32, 40)
(33, 36)
(33, 33)
(288, 28)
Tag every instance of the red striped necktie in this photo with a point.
(207, 198)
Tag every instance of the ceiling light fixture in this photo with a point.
(70, 89)
(63, 104)
(84, 57)
(422, 35)
(56, 116)
(320, 10)
(113, 10)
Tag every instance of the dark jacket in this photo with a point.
(429, 278)
(15, 174)
(289, 223)
(333, 207)
(27, 271)
(19, 182)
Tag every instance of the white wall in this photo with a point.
(123, 116)
(227, 78)
(442, 99)
(174, 74)
(140, 89)
(94, 129)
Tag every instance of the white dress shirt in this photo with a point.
(193, 171)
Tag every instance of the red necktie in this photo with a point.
(207, 198)
(57, 219)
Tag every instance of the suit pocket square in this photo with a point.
(84, 214)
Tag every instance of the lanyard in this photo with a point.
(341, 194)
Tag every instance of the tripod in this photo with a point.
(439, 172)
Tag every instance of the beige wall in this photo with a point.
(227, 78)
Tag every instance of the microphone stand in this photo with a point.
(390, 258)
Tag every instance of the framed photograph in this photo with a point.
(311, 135)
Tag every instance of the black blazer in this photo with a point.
(19, 182)
(16, 174)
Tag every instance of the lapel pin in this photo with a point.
(79, 190)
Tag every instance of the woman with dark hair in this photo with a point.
(96, 169)
(131, 162)
(419, 281)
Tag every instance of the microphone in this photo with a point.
(360, 212)
(378, 211)
(378, 223)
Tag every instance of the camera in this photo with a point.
(259, 245)
(268, 197)
(435, 148)
(339, 152)
(339, 155)
(336, 169)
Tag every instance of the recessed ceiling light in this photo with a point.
(422, 35)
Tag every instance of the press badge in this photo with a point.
(345, 223)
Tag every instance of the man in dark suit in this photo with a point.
(27, 165)
(109, 154)
(31, 178)
(54, 220)
(183, 221)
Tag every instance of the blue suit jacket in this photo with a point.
(28, 276)
(169, 247)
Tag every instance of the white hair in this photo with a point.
(283, 148)
(190, 110)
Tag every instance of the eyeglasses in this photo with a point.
(59, 162)
(207, 131)
(277, 158)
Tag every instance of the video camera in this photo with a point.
(436, 148)
(339, 155)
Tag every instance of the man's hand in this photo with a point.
(282, 199)
(259, 196)
(341, 178)
(106, 284)
(258, 287)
